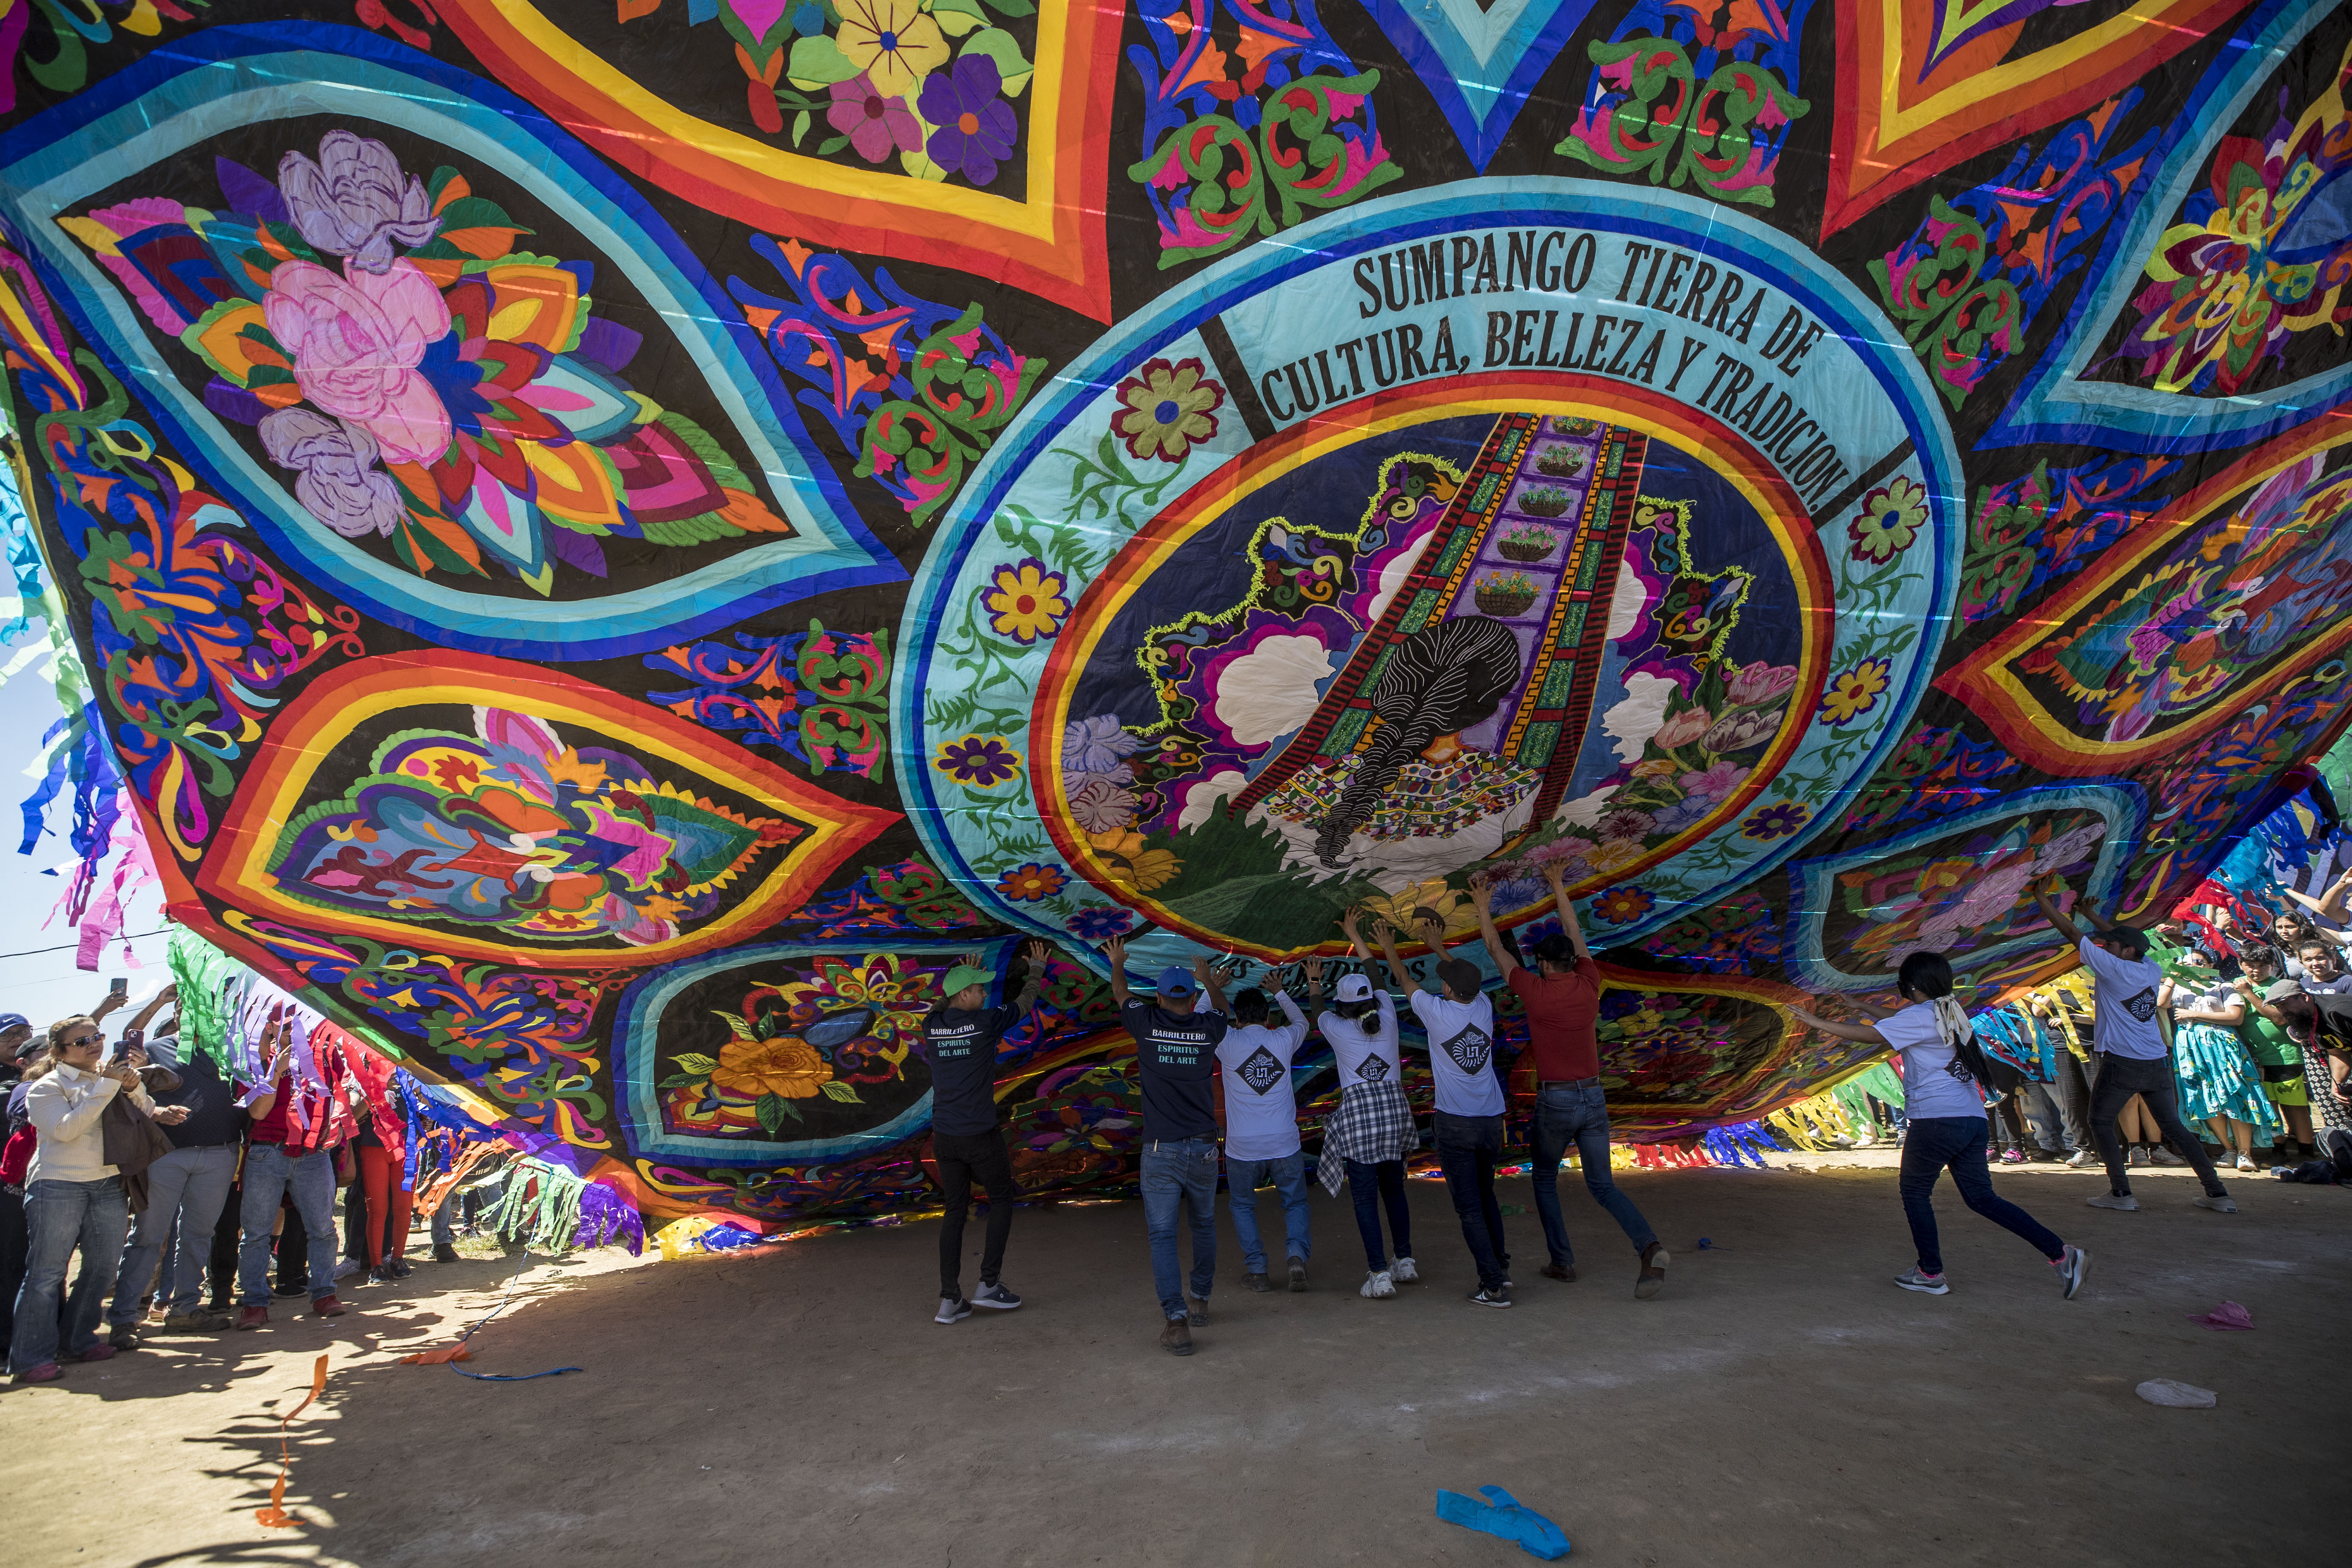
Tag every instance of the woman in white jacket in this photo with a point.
(73, 1198)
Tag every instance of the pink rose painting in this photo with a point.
(356, 341)
(354, 202)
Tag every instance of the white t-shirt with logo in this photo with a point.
(1260, 1111)
(1934, 1082)
(1460, 1048)
(2124, 1025)
(1365, 1058)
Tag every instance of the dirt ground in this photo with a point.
(1782, 1403)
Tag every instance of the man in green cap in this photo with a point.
(960, 1036)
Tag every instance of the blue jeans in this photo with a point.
(1286, 1176)
(1579, 1114)
(59, 1217)
(1183, 1173)
(189, 1185)
(1370, 1186)
(1934, 1144)
(268, 1175)
(1466, 1150)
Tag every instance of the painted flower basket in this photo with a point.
(1528, 542)
(1505, 595)
(1560, 462)
(1544, 501)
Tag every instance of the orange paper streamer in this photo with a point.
(275, 1515)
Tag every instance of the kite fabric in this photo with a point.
(615, 544)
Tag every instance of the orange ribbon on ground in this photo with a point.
(275, 1515)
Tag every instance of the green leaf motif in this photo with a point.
(696, 1063)
(836, 1089)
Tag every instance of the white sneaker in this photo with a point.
(2246, 1163)
(2082, 1160)
(2164, 1156)
(2125, 1201)
(2138, 1156)
(2219, 1204)
(1925, 1284)
(2072, 1264)
(952, 1310)
(1378, 1285)
(1404, 1273)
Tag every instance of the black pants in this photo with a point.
(960, 1159)
(13, 1239)
(220, 1268)
(2120, 1077)
(1467, 1148)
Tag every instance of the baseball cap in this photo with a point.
(1354, 988)
(14, 1021)
(1460, 975)
(2279, 990)
(1175, 981)
(961, 976)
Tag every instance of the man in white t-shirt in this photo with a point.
(1262, 1128)
(1460, 1025)
(2134, 1056)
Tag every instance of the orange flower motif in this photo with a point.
(786, 1066)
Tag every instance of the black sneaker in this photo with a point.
(952, 1310)
(443, 1253)
(1176, 1338)
(1257, 1282)
(290, 1290)
(1498, 1297)
(379, 1276)
(400, 1268)
(996, 1296)
(1298, 1274)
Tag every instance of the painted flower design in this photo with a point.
(356, 341)
(1682, 729)
(975, 128)
(1623, 905)
(877, 126)
(1714, 783)
(1890, 518)
(1127, 862)
(1759, 683)
(983, 762)
(1031, 883)
(1748, 727)
(353, 201)
(1688, 812)
(1101, 806)
(1027, 601)
(1856, 692)
(1408, 908)
(1098, 924)
(1613, 855)
(790, 1068)
(1626, 823)
(1778, 820)
(339, 482)
(1165, 408)
(1098, 745)
(892, 41)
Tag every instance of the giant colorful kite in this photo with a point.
(610, 542)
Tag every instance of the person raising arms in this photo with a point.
(1947, 1126)
(1460, 1025)
(1369, 1136)
(962, 1034)
(1175, 1056)
(2136, 1058)
(1261, 1126)
(1563, 1002)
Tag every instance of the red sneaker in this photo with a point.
(98, 1352)
(48, 1371)
(326, 1307)
(253, 1318)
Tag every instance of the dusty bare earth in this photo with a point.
(1780, 1404)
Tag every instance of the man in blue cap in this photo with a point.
(960, 1036)
(1176, 1054)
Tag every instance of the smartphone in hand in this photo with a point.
(119, 987)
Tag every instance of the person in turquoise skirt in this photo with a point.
(2219, 1084)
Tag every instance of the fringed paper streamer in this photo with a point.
(275, 1515)
(1740, 1143)
(541, 1207)
(606, 1216)
(205, 975)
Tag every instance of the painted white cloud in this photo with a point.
(1637, 718)
(1627, 605)
(1204, 798)
(1270, 691)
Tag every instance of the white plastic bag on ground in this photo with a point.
(2179, 1395)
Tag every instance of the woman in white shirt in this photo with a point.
(73, 1198)
(1946, 1130)
(1371, 1132)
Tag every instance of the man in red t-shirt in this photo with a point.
(289, 1150)
(1563, 1000)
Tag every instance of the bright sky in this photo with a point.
(46, 985)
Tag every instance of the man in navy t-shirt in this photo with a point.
(1176, 1057)
(960, 1036)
